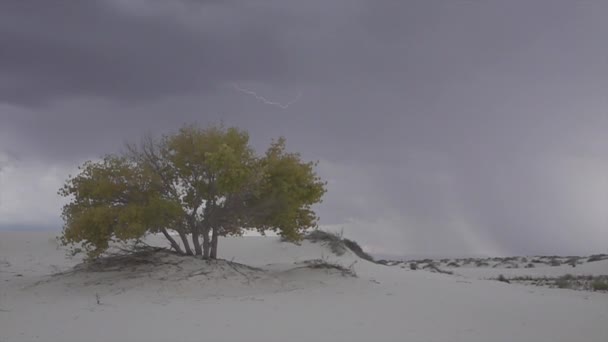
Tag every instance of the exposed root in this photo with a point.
(157, 266)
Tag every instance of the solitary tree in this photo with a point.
(200, 183)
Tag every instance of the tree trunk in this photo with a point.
(196, 242)
(184, 238)
(206, 243)
(214, 239)
(172, 241)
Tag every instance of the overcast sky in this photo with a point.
(442, 126)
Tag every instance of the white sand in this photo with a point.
(281, 302)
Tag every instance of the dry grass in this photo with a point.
(338, 244)
(333, 240)
(328, 265)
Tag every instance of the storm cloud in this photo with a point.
(442, 127)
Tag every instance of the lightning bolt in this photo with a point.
(265, 100)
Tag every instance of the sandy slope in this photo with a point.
(280, 301)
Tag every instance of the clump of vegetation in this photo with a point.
(555, 262)
(331, 239)
(597, 257)
(339, 245)
(568, 281)
(599, 285)
(123, 260)
(453, 264)
(433, 268)
(503, 279)
(572, 261)
(354, 246)
(327, 265)
(413, 266)
(530, 265)
(565, 281)
(523, 278)
(201, 183)
(481, 263)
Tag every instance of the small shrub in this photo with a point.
(433, 268)
(453, 264)
(340, 245)
(503, 279)
(522, 278)
(413, 266)
(564, 282)
(324, 264)
(555, 262)
(354, 246)
(597, 257)
(480, 263)
(333, 240)
(599, 285)
(568, 281)
(530, 265)
(572, 261)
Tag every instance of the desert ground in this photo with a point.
(268, 290)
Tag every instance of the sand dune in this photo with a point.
(265, 290)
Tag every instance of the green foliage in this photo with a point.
(210, 162)
(197, 181)
(113, 199)
(288, 189)
(564, 282)
(599, 285)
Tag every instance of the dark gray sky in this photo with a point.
(442, 126)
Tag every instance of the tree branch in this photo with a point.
(172, 241)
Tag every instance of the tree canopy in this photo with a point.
(202, 183)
